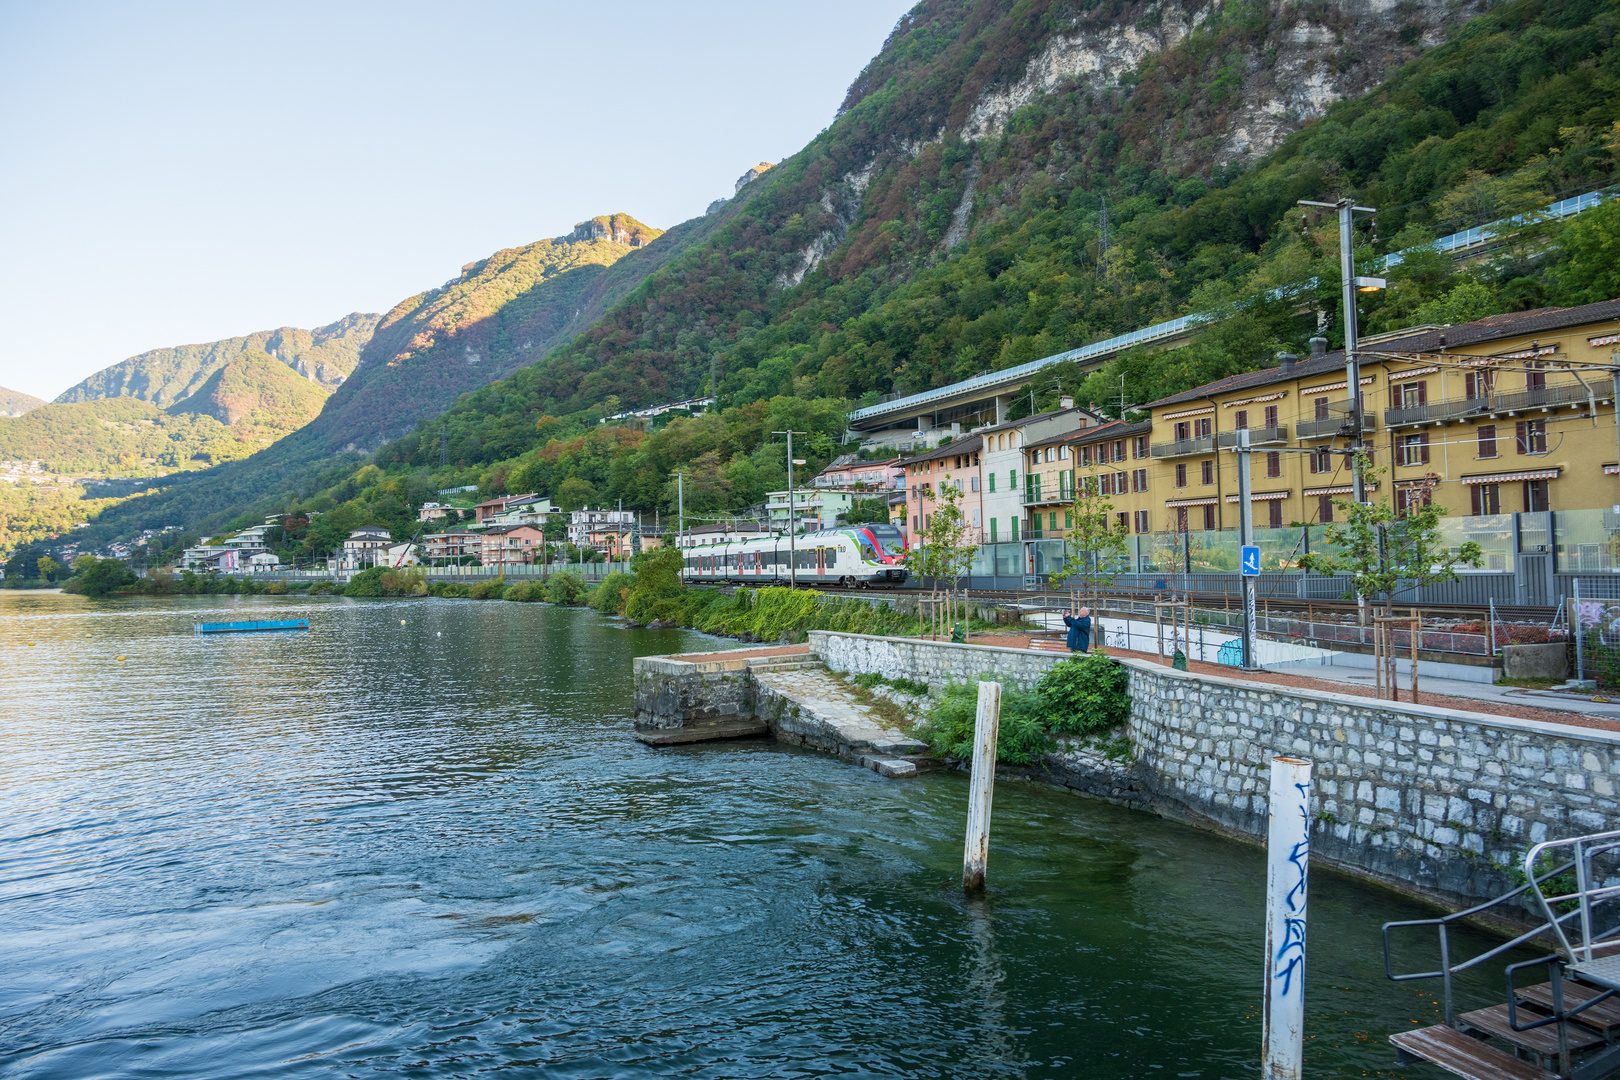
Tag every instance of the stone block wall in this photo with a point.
(1437, 801)
(674, 693)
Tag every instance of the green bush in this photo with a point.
(99, 577)
(657, 587)
(384, 581)
(1084, 695)
(322, 588)
(611, 595)
(488, 589)
(450, 590)
(948, 729)
(276, 588)
(566, 588)
(526, 592)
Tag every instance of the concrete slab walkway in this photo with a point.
(809, 706)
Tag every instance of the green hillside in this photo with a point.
(948, 222)
(502, 312)
(15, 402)
(325, 355)
(255, 391)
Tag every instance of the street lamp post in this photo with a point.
(793, 560)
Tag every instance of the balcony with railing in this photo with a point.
(1496, 403)
(1258, 436)
(1035, 496)
(1201, 444)
(1338, 421)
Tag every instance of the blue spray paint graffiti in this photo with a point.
(1291, 952)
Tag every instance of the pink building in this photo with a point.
(957, 464)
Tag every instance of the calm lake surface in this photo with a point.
(433, 849)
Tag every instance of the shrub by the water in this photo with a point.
(1084, 695)
(779, 614)
(276, 588)
(488, 589)
(98, 577)
(525, 592)
(611, 595)
(1081, 696)
(384, 581)
(566, 588)
(450, 590)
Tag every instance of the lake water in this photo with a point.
(433, 849)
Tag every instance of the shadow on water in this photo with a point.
(432, 848)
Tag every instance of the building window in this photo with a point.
(1105, 484)
(1271, 416)
(1183, 431)
(1487, 440)
(1273, 465)
(1122, 521)
(1535, 380)
(1324, 508)
(1012, 524)
(1102, 453)
(1181, 519)
(1209, 518)
(1484, 499)
(1142, 523)
(1322, 408)
(1201, 427)
(1119, 449)
(1139, 480)
(992, 530)
(1207, 472)
(1120, 481)
(1414, 449)
(1531, 436)
(1274, 514)
(1321, 461)
(1181, 474)
(1012, 479)
(914, 523)
(1241, 421)
(1535, 496)
(975, 517)
(1051, 520)
(1413, 394)
(1141, 448)
(992, 482)
(1477, 384)
(1068, 519)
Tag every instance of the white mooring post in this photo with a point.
(986, 726)
(1288, 850)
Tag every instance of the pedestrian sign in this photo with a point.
(1251, 561)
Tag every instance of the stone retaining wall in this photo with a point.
(673, 693)
(1433, 800)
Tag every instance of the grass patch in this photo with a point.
(1529, 684)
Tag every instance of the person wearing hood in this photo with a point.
(1079, 630)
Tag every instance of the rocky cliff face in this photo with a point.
(615, 229)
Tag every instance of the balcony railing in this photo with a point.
(1337, 422)
(1201, 444)
(1049, 497)
(1495, 403)
(1275, 433)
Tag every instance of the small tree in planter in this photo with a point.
(1384, 552)
(943, 554)
(1095, 551)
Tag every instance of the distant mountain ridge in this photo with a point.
(503, 312)
(15, 402)
(324, 356)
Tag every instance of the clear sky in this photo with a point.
(174, 173)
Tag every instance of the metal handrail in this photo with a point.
(1443, 923)
(1587, 848)
(1198, 444)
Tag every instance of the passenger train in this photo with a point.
(850, 555)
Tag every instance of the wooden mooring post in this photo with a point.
(982, 786)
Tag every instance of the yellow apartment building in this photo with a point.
(1486, 418)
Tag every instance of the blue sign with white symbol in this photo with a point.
(1251, 561)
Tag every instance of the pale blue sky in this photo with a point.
(176, 173)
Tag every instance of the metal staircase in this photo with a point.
(1564, 1028)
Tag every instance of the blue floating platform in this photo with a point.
(249, 627)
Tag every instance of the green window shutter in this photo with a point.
(992, 520)
(1012, 524)
(992, 485)
(1012, 479)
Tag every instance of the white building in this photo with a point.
(582, 523)
(813, 508)
(361, 548)
(1003, 469)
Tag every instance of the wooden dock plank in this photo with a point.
(1464, 1055)
(1542, 1040)
(1603, 1016)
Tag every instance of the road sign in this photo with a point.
(1251, 561)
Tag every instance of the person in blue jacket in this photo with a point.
(1079, 630)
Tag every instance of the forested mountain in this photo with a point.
(950, 221)
(15, 402)
(502, 312)
(324, 356)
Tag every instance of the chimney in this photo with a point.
(1065, 402)
(1318, 346)
(1287, 359)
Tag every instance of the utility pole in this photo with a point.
(680, 520)
(793, 558)
(1245, 541)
